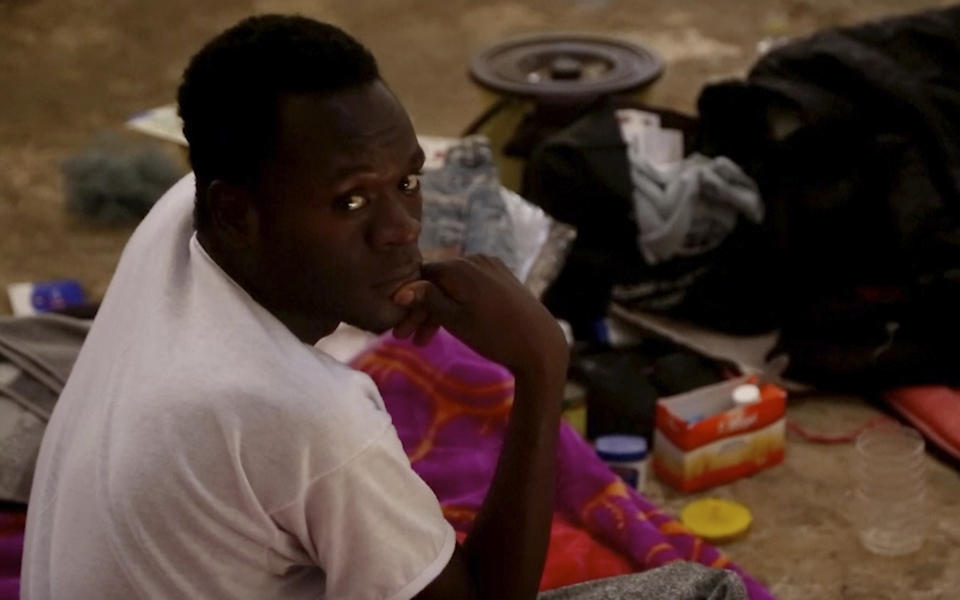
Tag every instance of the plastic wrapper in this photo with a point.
(466, 211)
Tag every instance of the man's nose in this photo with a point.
(398, 222)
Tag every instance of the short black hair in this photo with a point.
(231, 89)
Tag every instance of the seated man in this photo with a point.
(203, 448)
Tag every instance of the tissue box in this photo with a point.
(702, 439)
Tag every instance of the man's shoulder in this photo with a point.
(300, 384)
(274, 419)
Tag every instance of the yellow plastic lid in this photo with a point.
(716, 519)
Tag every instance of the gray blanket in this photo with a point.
(36, 356)
(675, 581)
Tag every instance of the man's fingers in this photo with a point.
(410, 323)
(425, 296)
(425, 332)
(456, 278)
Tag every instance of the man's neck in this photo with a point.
(307, 330)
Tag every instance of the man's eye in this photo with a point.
(353, 202)
(410, 184)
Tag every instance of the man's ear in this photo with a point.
(233, 213)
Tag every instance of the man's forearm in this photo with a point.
(475, 298)
(507, 547)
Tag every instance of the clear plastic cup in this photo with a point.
(889, 478)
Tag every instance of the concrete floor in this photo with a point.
(71, 69)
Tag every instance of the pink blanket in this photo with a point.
(450, 408)
(12, 519)
(934, 410)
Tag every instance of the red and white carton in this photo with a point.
(703, 438)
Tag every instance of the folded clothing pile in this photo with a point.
(467, 211)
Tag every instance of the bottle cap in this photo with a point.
(746, 394)
(716, 519)
(621, 448)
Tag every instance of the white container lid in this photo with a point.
(621, 448)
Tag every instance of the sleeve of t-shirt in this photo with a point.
(372, 525)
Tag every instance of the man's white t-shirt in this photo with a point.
(200, 450)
